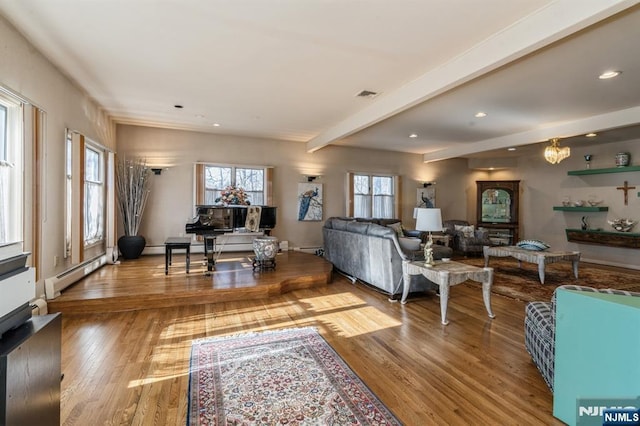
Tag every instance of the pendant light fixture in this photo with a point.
(554, 154)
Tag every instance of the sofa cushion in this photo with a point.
(397, 228)
(357, 227)
(467, 230)
(409, 243)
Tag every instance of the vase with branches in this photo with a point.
(133, 185)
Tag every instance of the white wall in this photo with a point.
(24, 70)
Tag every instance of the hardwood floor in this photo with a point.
(131, 368)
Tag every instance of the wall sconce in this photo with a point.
(427, 184)
(311, 178)
(156, 171)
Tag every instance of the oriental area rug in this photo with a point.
(524, 284)
(289, 376)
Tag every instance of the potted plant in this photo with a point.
(133, 183)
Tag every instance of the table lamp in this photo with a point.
(428, 220)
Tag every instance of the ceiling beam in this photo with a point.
(597, 123)
(543, 27)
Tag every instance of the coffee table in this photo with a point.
(446, 275)
(541, 258)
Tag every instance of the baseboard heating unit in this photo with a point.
(54, 285)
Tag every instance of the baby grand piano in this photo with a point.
(211, 221)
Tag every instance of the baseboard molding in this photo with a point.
(54, 285)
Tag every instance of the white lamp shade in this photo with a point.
(429, 220)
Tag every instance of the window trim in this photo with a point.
(397, 191)
(200, 180)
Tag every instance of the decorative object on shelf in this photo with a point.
(309, 201)
(622, 159)
(585, 225)
(578, 203)
(429, 220)
(133, 185)
(622, 225)
(588, 158)
(265, 248)
(232, 195)
(566, 201)
(554, 154)
(626, 189)
(593, 201)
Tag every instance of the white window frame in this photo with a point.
(256, 196)
(95, 183)
(11, 171)
(372, 204)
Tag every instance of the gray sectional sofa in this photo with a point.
(370, 251)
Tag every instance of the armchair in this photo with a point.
(466, 238)
(540, 329)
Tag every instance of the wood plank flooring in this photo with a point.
(142, 283)
(132, 367)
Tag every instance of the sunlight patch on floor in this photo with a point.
(352, 317)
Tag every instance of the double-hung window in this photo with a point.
(373, 195)
(93, 195)
(11, 169)
(219, 177)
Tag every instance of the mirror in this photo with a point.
(496, 206)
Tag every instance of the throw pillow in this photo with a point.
(397, 227)
(535, 245)
(409, 243)
(467, 230)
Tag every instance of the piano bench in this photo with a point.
(176, 243)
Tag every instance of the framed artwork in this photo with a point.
(426, 197)
(309, 201)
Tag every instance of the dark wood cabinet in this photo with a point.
(30, 359)
(498, 203)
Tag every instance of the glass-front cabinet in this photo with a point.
(497, 209)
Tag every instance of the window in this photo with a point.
(11, 169)
(252, 180)
(3, 133)
(373, 196)
(93, 195)
(68, 194)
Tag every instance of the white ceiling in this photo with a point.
(290, 69)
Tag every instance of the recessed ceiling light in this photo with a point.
(216, 124)
(511, 149)
(413, 135)
(591, 135)
(481, 114)
(609, 74)
(178, 106)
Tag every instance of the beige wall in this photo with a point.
(171, 201)
(25, 71)
(543, 185)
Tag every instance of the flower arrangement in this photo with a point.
(233, 195)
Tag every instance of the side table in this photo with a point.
(446, 275)
(176, 243)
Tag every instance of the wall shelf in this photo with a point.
(603, 171)
(604, 238)
(581, 208)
